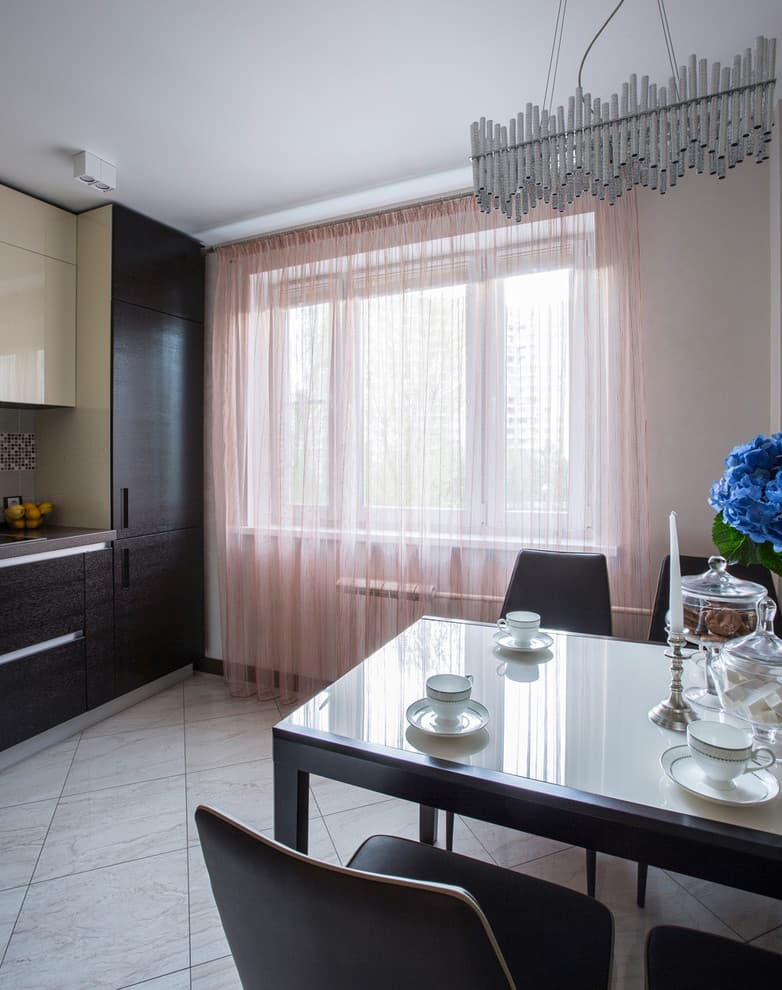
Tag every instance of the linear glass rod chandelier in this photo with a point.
(708, 118)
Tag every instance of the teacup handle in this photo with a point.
(769, 761)
(502, 668)
(502, 623)
(469, 677)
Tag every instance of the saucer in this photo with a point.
(752, 787)
(541, 641)
(522, 667)
(458, 749)
(473, 718)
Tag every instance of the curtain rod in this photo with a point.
(343, 218)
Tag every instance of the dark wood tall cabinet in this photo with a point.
(157, 448)
(157, 401)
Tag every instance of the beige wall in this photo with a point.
(775, 254)
(706, 283)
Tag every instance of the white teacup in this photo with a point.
(522, 626)
(448, 695)
(723, 752)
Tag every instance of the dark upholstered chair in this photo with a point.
(697, 565)
(401, 914)
(683, 959)
(569, 591)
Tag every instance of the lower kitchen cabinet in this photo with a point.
(158, 605)
(41, 600)
(41, 690)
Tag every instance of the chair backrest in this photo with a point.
(568, 590)
(685, 959)
(293, 922)
(697, 565)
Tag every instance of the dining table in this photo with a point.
(567, 751)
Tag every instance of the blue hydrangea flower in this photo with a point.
(749, 494)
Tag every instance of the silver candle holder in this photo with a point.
(675, 712)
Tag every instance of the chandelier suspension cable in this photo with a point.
(553, 61)
(603, 26)
(672, 61)
(708, 118)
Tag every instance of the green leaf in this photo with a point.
(769, 558)
(733, 546)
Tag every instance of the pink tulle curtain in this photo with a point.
(397, 404)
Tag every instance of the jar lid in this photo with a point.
(717, 584)
(760, 647)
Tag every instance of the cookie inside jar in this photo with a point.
(719, 607)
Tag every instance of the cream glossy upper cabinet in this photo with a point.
(37, 302)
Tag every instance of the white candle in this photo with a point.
(676, 614)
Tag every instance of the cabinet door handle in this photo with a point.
(125, 568)
(124, 520)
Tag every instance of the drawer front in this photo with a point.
(41, 690)
(41, 601)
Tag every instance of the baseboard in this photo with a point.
(209, 665)
(59, 733)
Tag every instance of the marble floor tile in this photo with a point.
(206, 696)
(348, 829)
(509, 847)
(666, 903)
(219, 742)
(10, 902)
(114, 825)
(171, 981)
(244, 791)
(219, 974)
(38, 777)
(22, 832)
(286, 707)
(333, 796)
(108, 928)
(126, 758)
(749, 915)
(164, 708)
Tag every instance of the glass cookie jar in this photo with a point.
(748, 676)
(717, 608)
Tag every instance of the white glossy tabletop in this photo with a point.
(577, 717)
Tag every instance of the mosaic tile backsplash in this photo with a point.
(17, 451)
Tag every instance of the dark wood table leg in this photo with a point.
(640, 898)
(591, 855)
(291, 806)
(427, 824)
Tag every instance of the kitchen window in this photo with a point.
(454, 388)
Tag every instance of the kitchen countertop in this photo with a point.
(53, 538)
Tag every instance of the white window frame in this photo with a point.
(484, 272)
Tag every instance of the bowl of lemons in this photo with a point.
(27, 515)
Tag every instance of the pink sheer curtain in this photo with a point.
(397, 404)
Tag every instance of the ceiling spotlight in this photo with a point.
(95, 172)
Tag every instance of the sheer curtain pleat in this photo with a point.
(397, 404)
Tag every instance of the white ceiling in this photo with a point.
(220, 112)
